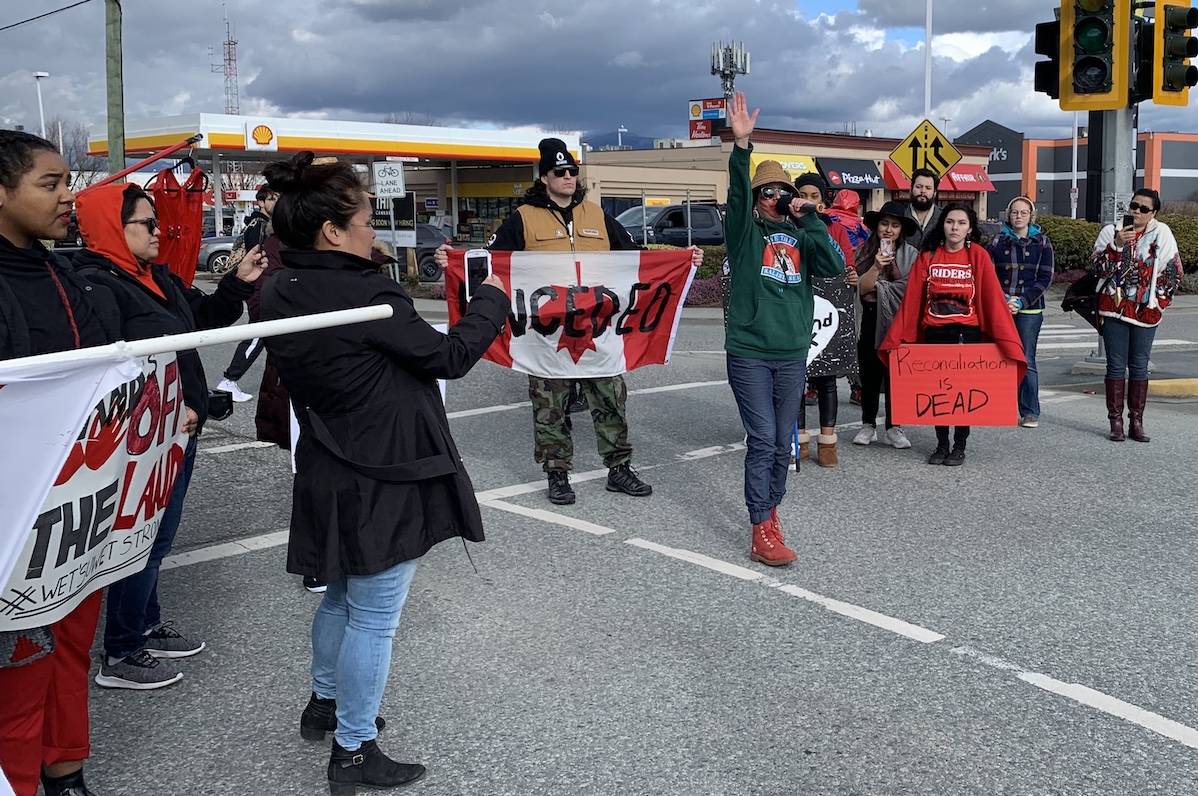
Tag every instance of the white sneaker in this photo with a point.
(866, 435)
(230, 386)
(896, 437)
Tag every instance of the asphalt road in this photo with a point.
(1019, 625)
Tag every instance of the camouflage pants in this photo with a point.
(553, 446)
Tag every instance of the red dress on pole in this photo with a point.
(180, 218)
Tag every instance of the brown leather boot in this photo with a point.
(1115, 390)
(827, 451)
(804, 447)
(1137, 396)
(767, 548)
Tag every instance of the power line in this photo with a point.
(43, 16)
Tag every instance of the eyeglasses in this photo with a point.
(151, 224)
(772, 192)
(562, 172)
(1136, 207)
(1021, 212)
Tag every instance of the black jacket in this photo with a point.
(33, 319)
(510, 235)
(379, 477)
(185, 309)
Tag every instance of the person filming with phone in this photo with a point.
(555, 216)
(1140, 268)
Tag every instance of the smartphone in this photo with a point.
(1128, 220)
(478, 270)
(886, 247)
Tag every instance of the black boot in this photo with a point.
(1137, 396)
(939, 455)
(369, 767)
(622, 478)
(577, 402)
(956, 456)
(320, 717)
(66, 785)
(560, 493)
(1115, 391)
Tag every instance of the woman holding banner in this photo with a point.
(884, 262)
(44, 307)
(953, 296)
(379, 479)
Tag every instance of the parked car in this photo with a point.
(668, 224)
(214, 254)
(428, 238)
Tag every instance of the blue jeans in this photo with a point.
(351, 646)
(769, 395)
(133, 608)
(1028, 326)
(1127, 349)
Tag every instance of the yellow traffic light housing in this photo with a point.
(1174, 46)
(1095, 54)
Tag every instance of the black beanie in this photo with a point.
(554, 155)
(811, 178)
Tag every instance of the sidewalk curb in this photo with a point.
(1173, 388)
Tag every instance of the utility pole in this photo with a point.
(114, 66)
(927, 60)
(727, 62)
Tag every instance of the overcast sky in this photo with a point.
(562, 65)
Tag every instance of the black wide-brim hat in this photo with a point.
(894, 210)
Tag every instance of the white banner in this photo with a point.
(109, 431)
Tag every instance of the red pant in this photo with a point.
(43, 715)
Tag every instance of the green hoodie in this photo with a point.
(770, 311)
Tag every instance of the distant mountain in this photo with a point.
(601, 139)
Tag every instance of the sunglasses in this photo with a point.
(151, 224)
(1136, 207)
(773, 193)
(562, 172)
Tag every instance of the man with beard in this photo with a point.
(922, 206)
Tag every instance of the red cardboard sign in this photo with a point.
(953, 385)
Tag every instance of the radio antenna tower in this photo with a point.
(229, 69)
(728, 61)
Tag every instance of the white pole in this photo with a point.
(41, 114)
(1073, 175)
(927, 61)
(189, 340)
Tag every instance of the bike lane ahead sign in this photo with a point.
(925, 148)
(388, 180)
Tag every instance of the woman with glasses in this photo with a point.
(1140, 268)
(776, 243)
(1023, 257)
(120, 231)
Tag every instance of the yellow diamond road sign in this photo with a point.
(925, 148)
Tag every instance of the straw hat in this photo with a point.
(770, 172)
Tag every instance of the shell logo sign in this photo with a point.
(259, 135)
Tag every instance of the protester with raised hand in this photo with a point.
(775, 245)
(1023, 255)
(44, 307)
(1141, 268)
(952, 297)
(379, 480)
(884, 262)
(120, 230)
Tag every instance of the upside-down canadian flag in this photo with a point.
(91, 452)
(585, 314)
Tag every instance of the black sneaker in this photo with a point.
(66, 785)
(956, 458)
(320, 717)
(939, 455)
(624, 479)
(369, 767)
(315, 585)
(140, 671)
(166, 642)
(560, 493)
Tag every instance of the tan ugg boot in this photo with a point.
(827, 451)
(804, 448)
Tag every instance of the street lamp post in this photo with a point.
(620, 136)
(41, 114)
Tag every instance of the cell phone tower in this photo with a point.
(728, 61)
(229, 69)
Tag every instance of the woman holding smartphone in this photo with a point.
(883, 262)
(379, 479)
(1141, 268)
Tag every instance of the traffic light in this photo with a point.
(1095, 54)
(1048, 73)
(1172, 73)
(1143, 60)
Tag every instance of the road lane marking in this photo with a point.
(225, 550)
(236, 447)
(487, 410)
(1084, 695)
(551, 517)
(691, 557)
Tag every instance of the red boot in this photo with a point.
(767, 548)
(777, 526)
